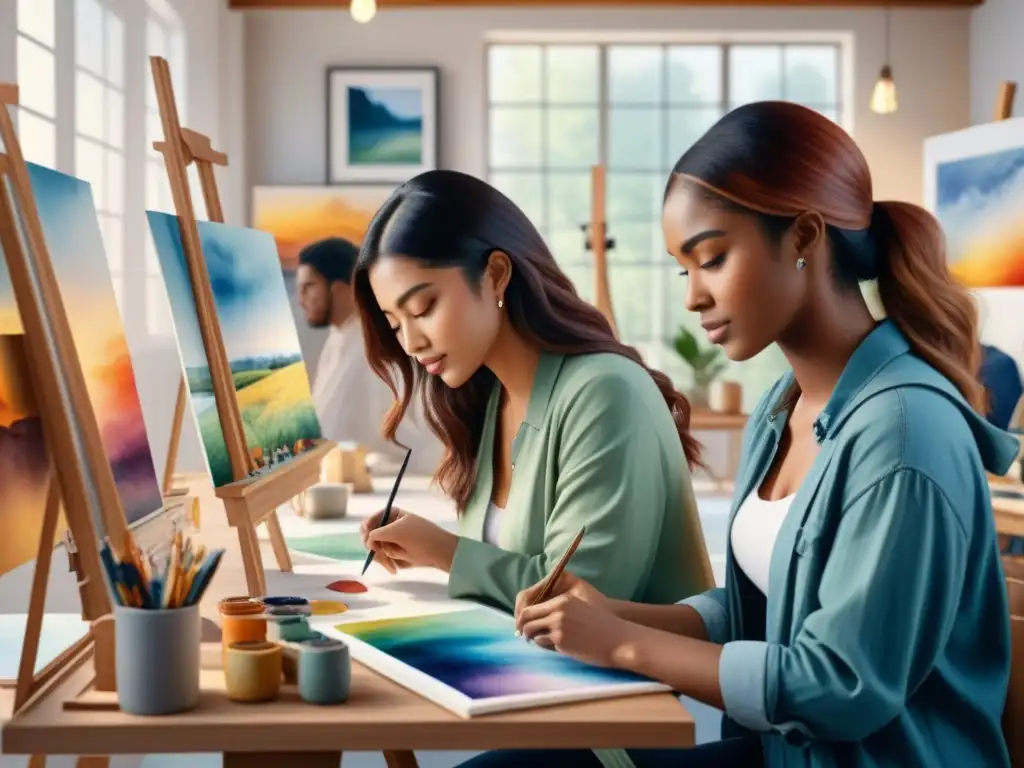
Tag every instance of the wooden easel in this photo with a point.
(56, 374)
(599, 242)
(247, 501)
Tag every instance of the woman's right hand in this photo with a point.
(567, 583)
(370, 524)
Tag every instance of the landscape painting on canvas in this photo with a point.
(301, 216)
(260, 339)
(72, 233)
(974, 185)
(471, 662)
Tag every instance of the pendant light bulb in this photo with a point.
(363, 11)
(883, 99)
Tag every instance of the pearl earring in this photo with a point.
(501, 303)
(801, 263)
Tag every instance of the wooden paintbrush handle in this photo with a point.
(556, 572)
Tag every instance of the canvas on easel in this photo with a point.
(81, 481)
(250, 496)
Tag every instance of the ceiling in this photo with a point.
(384, 4)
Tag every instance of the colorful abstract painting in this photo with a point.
(300, 216)
(72, 233)
(974, 184)
(260, 338)
(382, 123)
(471, 662)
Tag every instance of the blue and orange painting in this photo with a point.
(980, 204)
(385, 126)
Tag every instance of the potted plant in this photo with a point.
(706, 365)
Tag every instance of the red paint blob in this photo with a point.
(348, 586)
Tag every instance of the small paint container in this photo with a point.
(236, 624)
(289, 610)
(325, 671)
(284, 600)
(252, 671)
(289, 629)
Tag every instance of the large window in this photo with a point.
(555, 110)
(163, 38)
(37, 76)
(100, 123)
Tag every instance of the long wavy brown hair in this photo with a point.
(450, 219)
(777, 159)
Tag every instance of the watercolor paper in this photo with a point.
(260, 338)
(470, 662)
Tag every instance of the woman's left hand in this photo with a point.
(415, 542)
(586, 631)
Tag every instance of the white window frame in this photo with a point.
(22, 36)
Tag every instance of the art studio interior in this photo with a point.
(170, 169)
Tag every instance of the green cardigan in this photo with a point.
(598, 447)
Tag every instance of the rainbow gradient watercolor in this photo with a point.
(471, 662)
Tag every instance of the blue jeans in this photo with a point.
(743, 752)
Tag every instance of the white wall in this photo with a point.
(996, 56)
(287, 51)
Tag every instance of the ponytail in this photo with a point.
(936, 314)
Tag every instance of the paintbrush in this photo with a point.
(556, 573)
(387, 509)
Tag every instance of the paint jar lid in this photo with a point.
(288, 610)
(260, 647)
(239, 606)
(284, 600)
(321, 644)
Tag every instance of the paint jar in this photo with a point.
(252, 671)
(236, 624)
(289, 629)
(325, 671)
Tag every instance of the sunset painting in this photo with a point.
(299, 216)
(974, 184)
(75, 244)
(260, 338)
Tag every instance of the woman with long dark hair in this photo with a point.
(864, 619)
(548, 422)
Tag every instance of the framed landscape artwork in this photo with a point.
(300, 216)
(381, 123)
(974, 185)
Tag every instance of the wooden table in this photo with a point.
(734, 424)
(379, 716)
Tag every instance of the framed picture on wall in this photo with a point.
(381, 123)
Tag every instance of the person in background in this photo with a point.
(1001, 377)
(350, 399)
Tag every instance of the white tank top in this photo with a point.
(753, 535)
(492, 524)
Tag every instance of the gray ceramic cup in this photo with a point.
(157, 659)
(325, 671)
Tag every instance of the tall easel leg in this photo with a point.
(174, 442)
(278, 543)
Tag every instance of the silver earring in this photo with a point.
(501, 303)
(801, 263)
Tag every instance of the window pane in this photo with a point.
(525, 190)
(90, 106)
(516, 137)
(38, 89)
(35, 18)
(631, 300)
(638, 242)
(635, 140)
(573, 74)
(113, 243)
(38, 138)
(573, 136)
(155, 176)
(685, 126)
(115, 182)
(568, 201)
(811, 74)
(89, 35)
(582, 276)
(90, 166)
(158, 316)
(635, 198)
(115, 50)
(635, 74)
(831, 114)
(695, 74)
(755, 73)
(514, 73)
(115, 118)
(568, 245)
